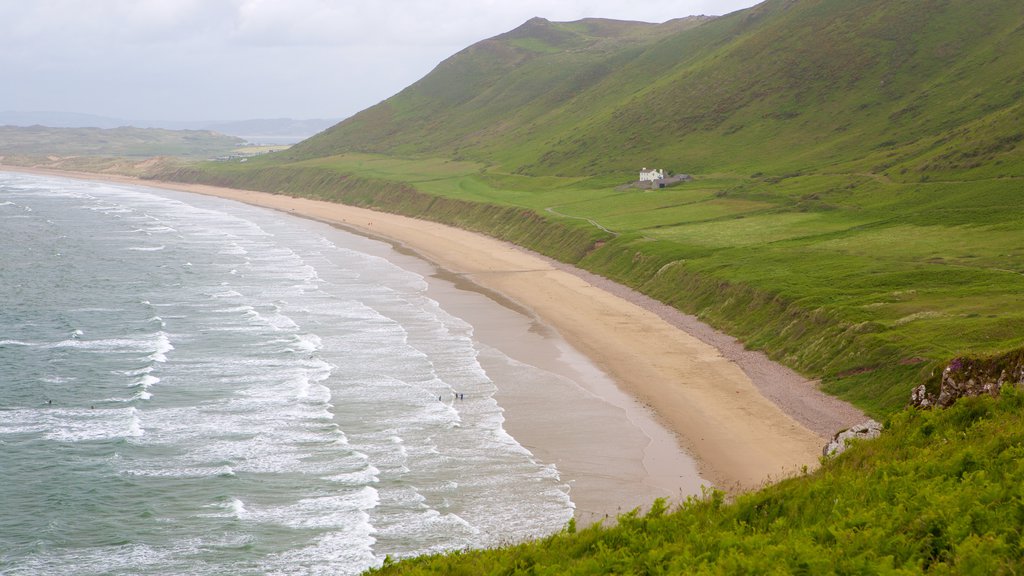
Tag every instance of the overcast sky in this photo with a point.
(240, 59)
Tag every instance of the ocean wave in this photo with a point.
(143, 383)
(233, 250)
(135, 424)
(304, 343)
(107, 209)
(137, 371)
(163, 346)
(80, 425)
(159, 229)
(368, 475)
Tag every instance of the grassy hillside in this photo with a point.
(858, 167)
(782, 87)
(494, 88)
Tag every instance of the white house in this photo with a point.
(652, 175)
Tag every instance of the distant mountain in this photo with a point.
(59, 120)
(38, 140)
(265, 131)
(788, 85)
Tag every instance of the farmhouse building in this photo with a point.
(652, 175)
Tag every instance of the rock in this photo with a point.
(920, 398)
(865, 431)
(964, 377)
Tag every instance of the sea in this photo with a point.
(190, 385)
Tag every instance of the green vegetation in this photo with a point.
(125, 142)
(940, 492)
(855, 213)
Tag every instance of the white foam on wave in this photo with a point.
(237, 508)
(233, 250)
(144, 384)
(163, 346)
(137, 371)
(157, 345)
(368, 475)
(160, 229)
(22, 421)
(345, 511)
(109, 209)
(305, 343)
(120, 559)
(146, 248)
(16, 343)
(234, 309)
(280, 322)
(161, 470)
(78, 425)
(135, 425)
(347, 552)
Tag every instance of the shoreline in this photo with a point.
(608, 449)
(746, 420)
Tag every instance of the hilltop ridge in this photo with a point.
(481, 94)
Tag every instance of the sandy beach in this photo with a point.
(744, 419)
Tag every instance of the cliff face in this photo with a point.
(966, 377)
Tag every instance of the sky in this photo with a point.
(239, 59)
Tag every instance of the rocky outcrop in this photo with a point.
(966, 377)
(840, 441)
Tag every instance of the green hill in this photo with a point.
(496, 89)
(782, 87)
